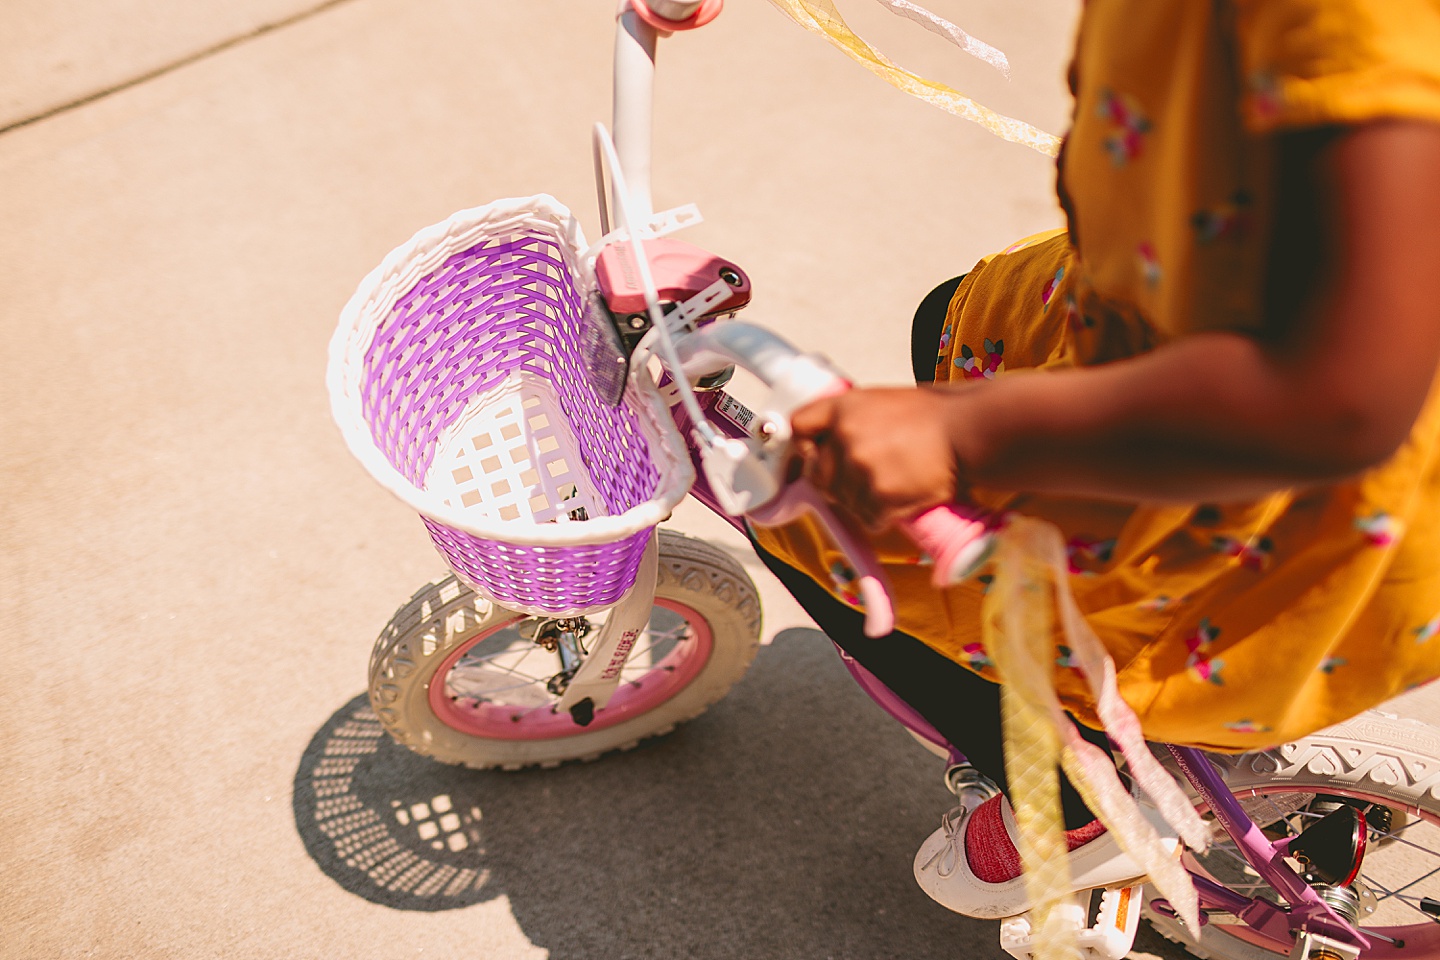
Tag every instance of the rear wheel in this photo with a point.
(1386, 766)
(469, 682)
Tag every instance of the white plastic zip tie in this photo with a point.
(659, 328)
(662, 224)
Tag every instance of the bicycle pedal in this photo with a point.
(1110, 937)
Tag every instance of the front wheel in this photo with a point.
(466, 681)
(1387, 766)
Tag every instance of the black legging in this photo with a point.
(961, 705)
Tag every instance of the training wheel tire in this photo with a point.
(704, 633)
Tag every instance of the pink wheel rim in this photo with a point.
(502, 721)
(1422, 938)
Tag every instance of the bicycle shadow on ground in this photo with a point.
(780, 824)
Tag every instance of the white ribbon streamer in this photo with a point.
(937, 24)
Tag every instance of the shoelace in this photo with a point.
(949, 855)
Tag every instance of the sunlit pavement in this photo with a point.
(192, 568)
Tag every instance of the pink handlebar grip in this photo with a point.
(959, 539)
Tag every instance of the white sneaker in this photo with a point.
(971, 865)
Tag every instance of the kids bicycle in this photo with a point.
(544, 404)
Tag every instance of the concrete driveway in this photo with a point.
(192, 568)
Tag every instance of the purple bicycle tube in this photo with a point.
(1307, 911)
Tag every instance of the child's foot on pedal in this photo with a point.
(971, 864)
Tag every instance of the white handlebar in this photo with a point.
(748, 476)
(633, 108)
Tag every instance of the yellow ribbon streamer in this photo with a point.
(821, 16)
(1031, 585)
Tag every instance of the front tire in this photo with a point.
(452, 677)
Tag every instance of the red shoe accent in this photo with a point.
(991, 852)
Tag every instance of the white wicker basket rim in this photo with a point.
(401, 269)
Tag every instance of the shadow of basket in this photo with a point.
(384, 823)
(780, 824)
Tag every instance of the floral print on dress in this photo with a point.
(1426, 631)
(846, 581)
(1226, 221)
(1201, 665)
(1330, 664)
(1149, 262)
(1253, 554)
(944, 345)
(982, 368)
(1083, 552)
(1380, 529)
(1128, 126)
(1075, 318)
(1159, 603)
(1264, 97)
(1247, 726)
(975, 657)
(1027, 242)
(1067, 658)
(1051, 286)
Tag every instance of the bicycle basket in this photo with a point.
(457, 380)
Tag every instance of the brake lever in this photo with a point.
(747, 476)
(798, 498)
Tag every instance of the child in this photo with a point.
(1218, 383)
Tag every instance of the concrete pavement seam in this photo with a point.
(172, 66)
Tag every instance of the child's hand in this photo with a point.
(883, 454)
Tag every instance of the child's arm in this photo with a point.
(1351, 348)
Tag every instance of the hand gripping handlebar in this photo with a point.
(749, 477)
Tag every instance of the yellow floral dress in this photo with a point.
(1239, 625)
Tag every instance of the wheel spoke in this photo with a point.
(1403, 829)
(1374, 884)
(510, 662)
(1400, 890)
(464, 667)
(1279, 817)
(1413, 902)
(1409, 843)
(473, 669)
(640, 652)
(1387, 894)
(1402, 865)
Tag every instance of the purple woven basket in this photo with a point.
(457, 379)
